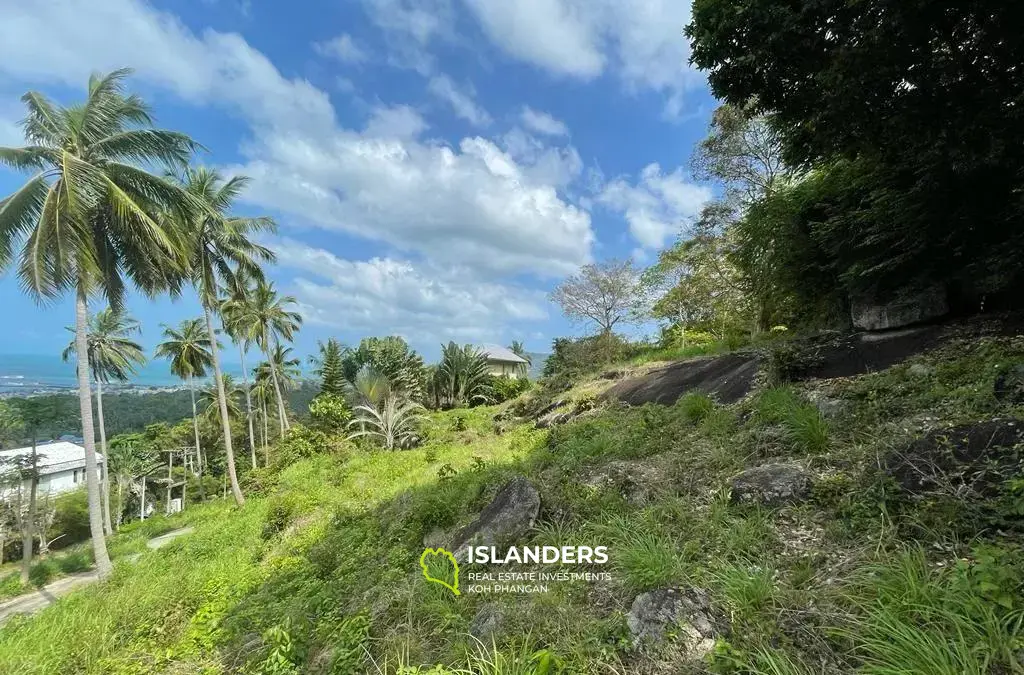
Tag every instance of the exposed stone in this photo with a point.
(905, 309)
(771, 485)
(509, 515)
(829, 407)
(920, 370)
(638, 481)
(727, 378)
(1009, 385)
(686, 613)
(487, 621)
(966, 461)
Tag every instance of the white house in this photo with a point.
(61, 465)
(502, 361)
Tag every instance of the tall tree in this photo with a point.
(519, 349)
(330, 367)
(266, 320)
(220, 246)
(602, 293)
(391, 357)
(190, 352)
(113, 355)
(239, 294)
(90, 217)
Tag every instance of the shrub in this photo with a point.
(696, 407)
(583, 355)
(300, 442)
(676, 337)
(71, 519)
(329, 412)
(507, 388)
(806, 430)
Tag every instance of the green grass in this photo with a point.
(320, 573)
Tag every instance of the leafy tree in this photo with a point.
(221, 246)
(330, 367)
(90, 217)
(189, 350)
(392, 358)
(462, 377)
(601, 293)
(330, 412)
(393, 422)
(132, 460)
(113, 355)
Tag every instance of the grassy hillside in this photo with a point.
(319, 571)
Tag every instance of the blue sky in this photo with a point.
(435, 166)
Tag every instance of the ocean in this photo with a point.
(34, 373)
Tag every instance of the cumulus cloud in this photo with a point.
(344, 48)
(423, 302)
(461, 100)
(470, 203)
(542, 122)
(656, 205)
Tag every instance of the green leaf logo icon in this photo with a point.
(435, 562)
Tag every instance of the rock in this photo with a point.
(907, 308)
(554, 418)
(637, 481)
(687, 613)
(920, 370)
(829, 407)
(509, 515)
(771, 485)
(487, 621)
(1009, 385)
(436, 537)
(966, 461)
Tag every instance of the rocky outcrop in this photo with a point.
(907, 308)
(509, 515)
(966, 461)
(727, 378)
(685, 613)
(770, 485)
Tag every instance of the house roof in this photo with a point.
(498, 353)
(53, 457)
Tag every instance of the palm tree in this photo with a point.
(393, 421)
(209, 399)
(220, 247)
(189, 350)
(462, 377)
(90, 217)
(368, 387)
(266, 320)
(262, 393)
(112, 356)
(239, 291)
(519, 349)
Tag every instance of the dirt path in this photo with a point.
(32, 602)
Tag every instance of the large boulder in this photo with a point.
(970, 460)
(770, 485)
(685, 613)
(509, 515)
(904, 309)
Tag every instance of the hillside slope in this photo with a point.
(859, 524)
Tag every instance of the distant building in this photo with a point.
(502, 361)
(61, 465)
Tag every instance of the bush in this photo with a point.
(300, 442)
(329, 413)
(676, 337)
(71, 518)
(587, 354)
(696, 407)
(508, 388)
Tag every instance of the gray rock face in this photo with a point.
(907, 308)
(684, 612)
(486, 622)
(770, 485)
(829, 407)
(509, 515)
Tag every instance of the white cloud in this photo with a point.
(471, 204)
(410, 26)
(461, 100)
(343, 48)
(542, 122)
(425, 303)
(657, 205)
(544, 164)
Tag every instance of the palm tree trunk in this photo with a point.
(248, 404)
(103, 450)
(222, 400)
(99, 545)
(282, 417)
(195, 428)
(266, 436)
(26, 532)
